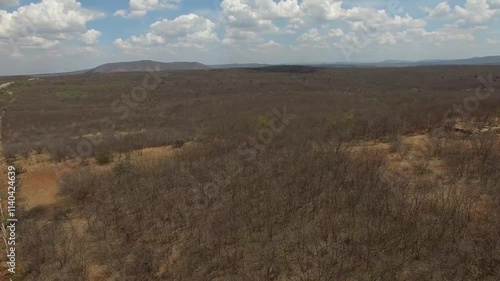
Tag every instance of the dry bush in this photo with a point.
(308, 207)
(225, 103)
(54, 251)
(474, 159)
(315, 213)
(103, 159)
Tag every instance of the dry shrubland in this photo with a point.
(343, 192)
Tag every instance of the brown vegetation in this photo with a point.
(367, 182)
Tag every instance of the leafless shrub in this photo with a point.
(308, 206)
(320, 205)
(437, 141)
(179, 143)
(420, 166)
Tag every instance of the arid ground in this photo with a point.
(278, 173)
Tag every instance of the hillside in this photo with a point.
(144, 65)
(490, 60)
(141, 66)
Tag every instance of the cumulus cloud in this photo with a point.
(238, 14)
(248, 20)
(473, 13)
(311, 36)
(269, 29)
(48, 16)
(90, 37)
(270, 44)
(259, 16)
(244, 19)
(442, 10)
(186, 31)
(44, 25)
(36, 42)
(261, 9)
(325, 24)
(322, 10)
(237, 36)
(139, 8)
(445, 35)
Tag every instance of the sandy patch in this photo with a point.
(40, 187)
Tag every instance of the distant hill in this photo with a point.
(239, 65)
(144, 65)
(62, 73)
(491, 60)
(288, 69)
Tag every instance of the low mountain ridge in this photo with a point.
(145, 65)
(490, 60)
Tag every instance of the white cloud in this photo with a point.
(139, 8)
(473, 13)
(336, 32)
(293, 25)
(322, 10)
(326, 38)
(270, 44)
(312, 35)
(43, 25)
(367, 27)
(261, 9)
(241, 15)
(237, 36)
(359, 17)
(243, 19)
(186, 31)
(35, 42)
(313, 38)
(48, 16)
(444, 35)
(257, 30)
(90, 37)
(442, 10)
(256, 17)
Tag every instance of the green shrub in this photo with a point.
(264, 122)
(104, 158)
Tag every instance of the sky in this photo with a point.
(48, 36)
